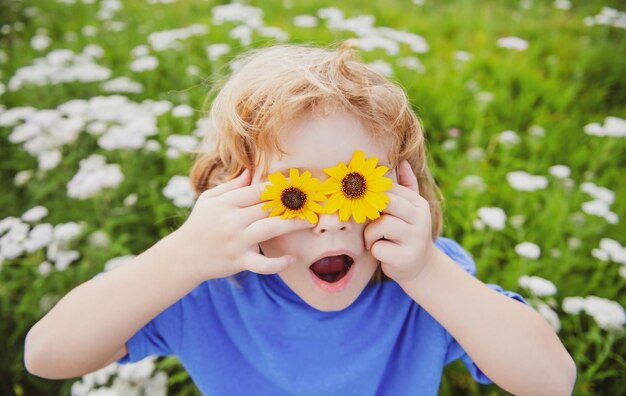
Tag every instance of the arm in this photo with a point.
(89, 327)
(511, 343)
(91, 324)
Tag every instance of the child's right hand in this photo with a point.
(221, 235)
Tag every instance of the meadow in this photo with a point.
(523, 104)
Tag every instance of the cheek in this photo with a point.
(279, 246)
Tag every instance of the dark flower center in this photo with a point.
(353, 185)
(293, 198)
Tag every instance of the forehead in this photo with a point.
(316, 142)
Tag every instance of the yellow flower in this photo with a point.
(357, 189)
(297, 196)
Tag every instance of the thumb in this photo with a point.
(406, 177)
(240, 181)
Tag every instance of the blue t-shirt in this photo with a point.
(261, 337)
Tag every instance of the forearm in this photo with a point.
(511, 343)
(95, 319)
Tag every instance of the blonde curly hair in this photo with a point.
(275, 84)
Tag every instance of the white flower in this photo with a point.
(179, 144)
(601, 209)
(122, 84)
(382, 67)
(65, 258)
(65, 232)
(613, 127)
(44, 269)
(138, 371)
(562, 4)
(528, 250)
(99, 238)
(600, 193)
(180, 191)
(305, 21)
(514, 43)
(411, 62)
(59, 66)
(537, 131)
(509, 138)
(549, 315)
(93, 176)
(215, 51)
(130, 200)
(22, 177)
(573, 305)
(538, 286)
(607, 16)
(40, 42)
(182, 110)
(559, 171)
(612, 250)
(49, 160)
(144, 63)
(473, 182)
(517, 221)
(493, 217)
(38, 237)
(35, 214)
(609, 315)
(462, 56)
(524, 181)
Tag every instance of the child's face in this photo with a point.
(314, 143)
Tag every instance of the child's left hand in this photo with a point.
(402, 237)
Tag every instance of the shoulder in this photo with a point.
(457, 253)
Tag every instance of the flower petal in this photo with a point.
(310, 216)
(370, 211)
(358, 211)
(344, 210)
(380, 185)
(357, 162)
(314, 206)
(370, 165)
(294, 176)
(338, 172)
(304, 179)
(375, 201)
(379, 172)
(334, 203)
(277, 211)
(330, 186)
(279, 180)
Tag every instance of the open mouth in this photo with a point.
(332, 268)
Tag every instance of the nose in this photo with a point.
(331, 223)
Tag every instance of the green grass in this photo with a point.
(570, 75)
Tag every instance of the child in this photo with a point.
(331, 304)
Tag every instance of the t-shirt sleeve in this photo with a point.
(455, 351)
(161, 336)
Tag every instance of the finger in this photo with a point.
(242, 180)
(246, 196)
(385, 251)
(406, 177)
(408, 194)
(272, 227)
(401, 208)
(254, 213)
(388, 227)
(260, 264)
